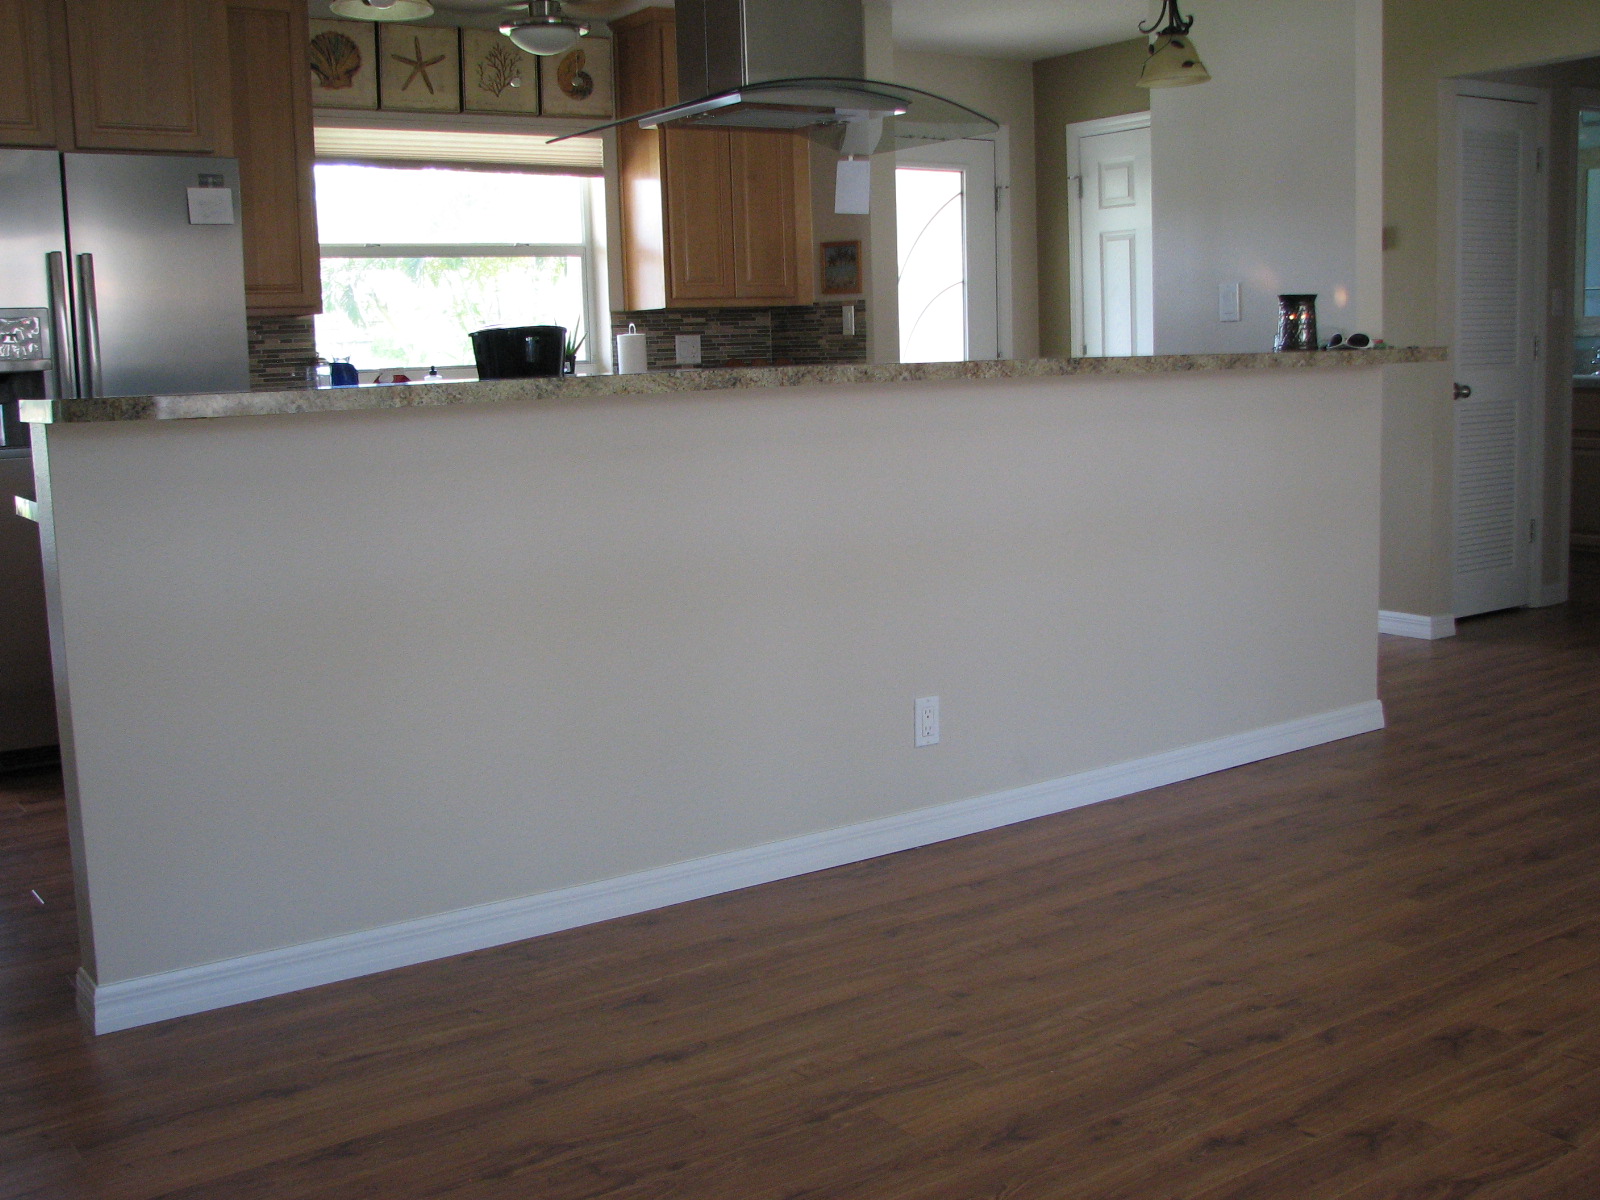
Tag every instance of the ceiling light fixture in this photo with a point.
(548, 30)
(382, 10)
(1173, 60)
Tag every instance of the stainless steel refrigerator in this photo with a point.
(120, 274)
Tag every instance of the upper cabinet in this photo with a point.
(711, 217)
(32, 78)
(272, 138)
(115, 75)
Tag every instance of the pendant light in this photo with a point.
(382, 10)
(548, 30)
(1173, 60)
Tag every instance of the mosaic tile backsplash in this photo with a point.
(746, 337)
(281, 348)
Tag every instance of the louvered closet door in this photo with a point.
(1494, 352)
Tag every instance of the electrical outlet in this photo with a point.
(687, 346)
(927, 724)
(847, 320)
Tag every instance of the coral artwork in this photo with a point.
(499, 69)
(335, 59)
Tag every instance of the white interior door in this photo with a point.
(1114, 278)
(1496, 351)
(945, 204)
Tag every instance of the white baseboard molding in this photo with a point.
(1417, 625)
(126, 1003)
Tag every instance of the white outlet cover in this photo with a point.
(926, 721)
(688, 349)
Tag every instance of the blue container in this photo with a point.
(344, 375)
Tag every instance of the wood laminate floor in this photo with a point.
(1367, 970)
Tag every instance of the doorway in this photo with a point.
(1500, 248)
(1113, 284)
(946, 203)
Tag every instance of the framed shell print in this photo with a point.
(344, 64)
(578, 83)
(497, 76)
(419, 68)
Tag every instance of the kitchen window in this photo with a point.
(416, 257)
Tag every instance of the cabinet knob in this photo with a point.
(1463, 392)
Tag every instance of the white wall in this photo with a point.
(1255, 173)
(334, 672)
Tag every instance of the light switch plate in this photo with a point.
(1228, 301)
(688, 349)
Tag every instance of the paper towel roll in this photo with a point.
(631, 356)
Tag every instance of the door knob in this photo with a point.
(1463, 392)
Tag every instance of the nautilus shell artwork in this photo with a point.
(572, 79)
(335, 59)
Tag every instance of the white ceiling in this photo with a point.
(1021, 29)
(1017, 29)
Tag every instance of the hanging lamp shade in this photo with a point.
(1173, 62)
(382, 10)
(547, 29)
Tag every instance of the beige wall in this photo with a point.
(332, 672)
(1485, 38)
(1084, 86)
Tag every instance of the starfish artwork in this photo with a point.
(418, 65)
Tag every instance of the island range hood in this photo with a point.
(797, 65)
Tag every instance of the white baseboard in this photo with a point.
(1417, 625)
(130, 1002)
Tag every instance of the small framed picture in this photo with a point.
(578, 83)
(419, 68)
(841, 268)
(497, 75)
(344, 64)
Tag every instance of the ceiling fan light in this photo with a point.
(1173, 62)
(382, 10)
(544, 37)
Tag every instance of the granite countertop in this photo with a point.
(438, 395)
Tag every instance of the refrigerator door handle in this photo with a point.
(88, 327)
(61, 326)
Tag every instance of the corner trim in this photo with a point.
(126, 1003)
(1417, 625)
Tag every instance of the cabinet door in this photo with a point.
(699, 207)
(28, 94)
(272, 137)
(763, 186)
(149, 75)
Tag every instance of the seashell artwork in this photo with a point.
(335, 59)
(580, 84)
(497, 76)
(343, 56)
(572, 79)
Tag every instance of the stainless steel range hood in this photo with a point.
(798, 65)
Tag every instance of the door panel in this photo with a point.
(763, 193)
(949, 257)
(1494, 352)
(170, 295)
(1118, 286)
(149, 75)
(699, 205)
(27, 75)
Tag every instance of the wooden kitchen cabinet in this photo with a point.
(114, 75)
(33, 84)
(711, 217)
(272, 139)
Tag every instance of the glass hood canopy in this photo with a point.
(855, 117)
